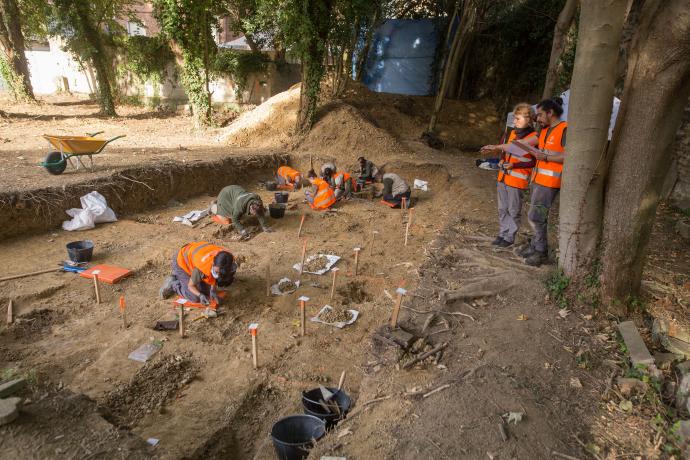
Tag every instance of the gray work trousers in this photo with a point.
(509, 210)
(180, 285)
(540, 202)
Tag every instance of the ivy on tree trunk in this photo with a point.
(14, 67)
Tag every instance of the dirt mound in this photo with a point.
(269, 125)
(354, 292)
(150, 388)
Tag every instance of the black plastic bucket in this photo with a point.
(80, 251)
(276, 210)
(294, 436)
(271, 185)
(310, 401)
(282, 197)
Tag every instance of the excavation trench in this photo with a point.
(131, 190)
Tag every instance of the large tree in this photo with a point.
(14, 68)
(656, 90)
(591, 94)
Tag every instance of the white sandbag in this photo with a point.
(94, 210)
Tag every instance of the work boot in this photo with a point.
(525, 251)
(536, 259)
(497, 241)
(504, 244)
(167, 290)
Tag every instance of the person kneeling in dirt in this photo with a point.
(286, 176)
(199, 271)
(233, 202)
(394, 189)
(330, 165)
(342, 184)
(320, 195)
(367, 172)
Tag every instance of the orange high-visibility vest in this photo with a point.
(290, 175)
(548, 173)
(518, 178)
(346, 177)
(325, 197)
(199, 255)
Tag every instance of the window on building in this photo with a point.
(134, 28)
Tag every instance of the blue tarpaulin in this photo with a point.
(401, 57)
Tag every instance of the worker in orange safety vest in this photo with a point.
(288, 176)
(546, 177)
(199, 270)
(320, 195)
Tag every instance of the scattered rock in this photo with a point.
(672, 337)
(9, 409)
(665, 360)
(683, 229)
(636, 346)
(683, 390)
(629, 387)
(11, 387)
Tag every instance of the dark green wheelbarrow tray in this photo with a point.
(68, 147)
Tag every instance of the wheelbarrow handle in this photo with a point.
(94, 134)
(108, 142)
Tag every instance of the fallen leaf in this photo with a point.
(514, 417)
(563, 312)
(626, 405)
(575, 382)
(522, 317)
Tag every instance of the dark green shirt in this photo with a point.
(233, 201)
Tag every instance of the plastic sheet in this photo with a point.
(94, 211)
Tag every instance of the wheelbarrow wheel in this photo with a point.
(54, 163)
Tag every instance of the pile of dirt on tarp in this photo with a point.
(149, 389)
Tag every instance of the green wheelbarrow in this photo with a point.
(68, 147)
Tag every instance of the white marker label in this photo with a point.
(253, 326)
(357, 249)
(96, 272)
(182, 301)
(335, 269)
(401, 291)
(303, 298)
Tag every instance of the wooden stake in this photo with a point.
(181, 321)
(268, 280)
(304, 254)
(10, 312)
(403, 205)
(409, 222)
(335, 274)
(24, 275)
(302, 307)
(97, 287)
(342, 380)
(301, 223)
(253, 329)
(123, 312)
(357, 260)
(371, 245)
(396, 308)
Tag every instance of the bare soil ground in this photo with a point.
(511, 352)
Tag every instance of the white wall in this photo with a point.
(48, 67)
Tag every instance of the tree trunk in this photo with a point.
(656, 90)
(12, 41)
(98, 59)
(591, 96)
(565, 18)
(463, 33)
(632, 21)
(364, 52)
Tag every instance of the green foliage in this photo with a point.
(147, 57)
(35, 15)
(189, 24)
(556, 284)
(239, 65)
(15, 82)
(567, 62)
(510, 56)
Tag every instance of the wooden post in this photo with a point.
(182, 321)
(97, 287)
(396, 308)
(403, 205)
(335, 274)
(302, 306)
(123, 312)
(268, 280)
(409, 222)
(357, 259)
(10, 313)
(371, 245)
(301, 223)
(341, 381)
(253, 329)
(304, 254)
